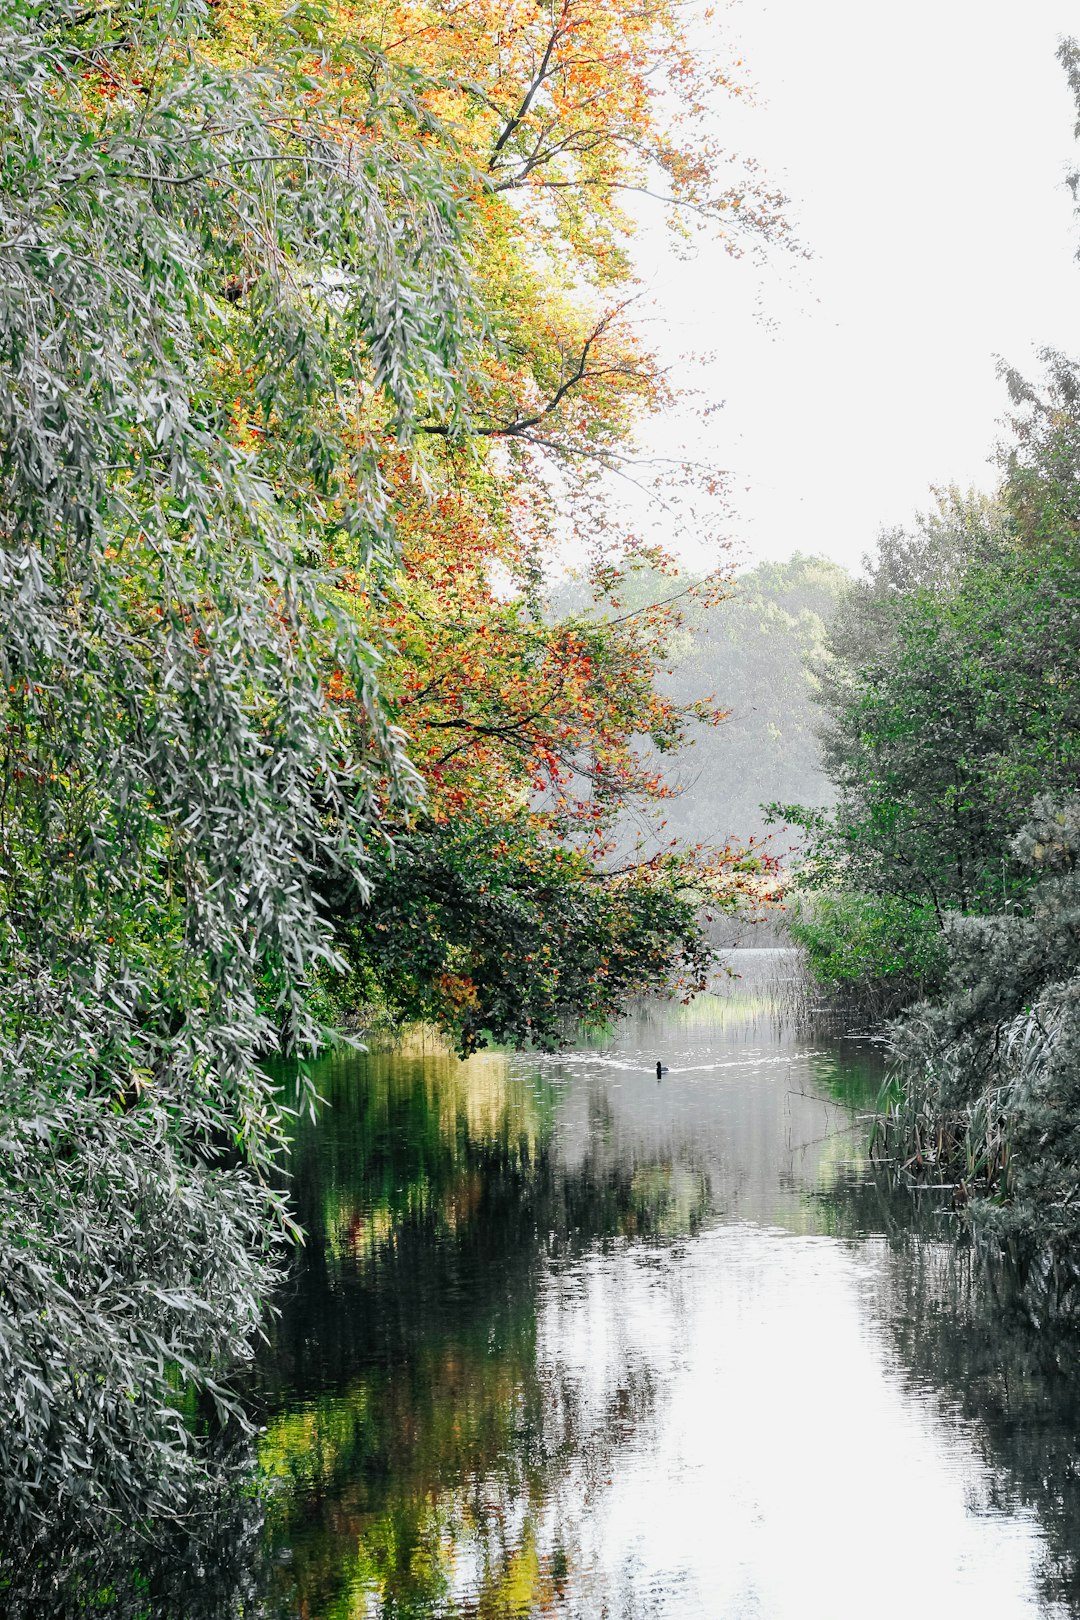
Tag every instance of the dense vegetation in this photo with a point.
(945, 879)
(314, 334)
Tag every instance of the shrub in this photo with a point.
(876, 952)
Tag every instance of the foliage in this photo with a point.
(203, 1565)
(952, 699)
(939, 724)
(516, 711)
(955, 746)
(749, 640)
(309, 320)
(505, 701)
(755, 651)
(990, 1074)
(170, 773)
(879, 951)
(493, 932)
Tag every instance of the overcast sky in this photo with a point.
(924, 148)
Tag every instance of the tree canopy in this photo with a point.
(316, 330)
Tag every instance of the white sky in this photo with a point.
(924, 148)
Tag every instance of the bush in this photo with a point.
(875, 952)
(991, 1073)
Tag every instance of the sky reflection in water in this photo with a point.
(569, 1341)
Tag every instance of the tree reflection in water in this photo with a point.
(438, 1442)
(422, 1448)
(997, 1333)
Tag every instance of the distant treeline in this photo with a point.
(758, 653)
(755, 652)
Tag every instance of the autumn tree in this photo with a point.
(317, 332)
(516, 719)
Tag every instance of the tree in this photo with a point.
(949, 866)
(951, 701)
(989, 1071)
(754, 650)
(988, 1068)
(295, 353)
(568, 108)
(513, 712)
(170, 772)
(492, 932)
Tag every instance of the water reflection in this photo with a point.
(569, 1341)
(995, 1339)
(418, 1438)
(566, 1341)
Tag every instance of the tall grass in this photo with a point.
(960, 1110)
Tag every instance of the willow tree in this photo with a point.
(193, 259)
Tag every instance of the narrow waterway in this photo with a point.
(567, 1339)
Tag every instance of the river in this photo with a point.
(567, 1339)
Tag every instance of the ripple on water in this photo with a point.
(567, 1340)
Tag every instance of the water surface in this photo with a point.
(569, 1341)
